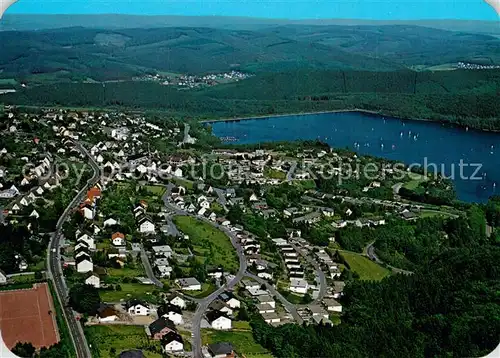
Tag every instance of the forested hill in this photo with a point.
(450, 308)
(462, 97)
(79, 54)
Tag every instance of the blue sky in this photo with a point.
(292, 9)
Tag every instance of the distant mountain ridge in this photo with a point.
(23, 22)
(95, 54)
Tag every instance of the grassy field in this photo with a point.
(24, 279)
(128, 291)
(127, 272)
(242, 341)
(274, 174)
(365, 268)
(416, 180)
(110, 341)
(156, 190)
(217, 246)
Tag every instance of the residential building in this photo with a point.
(93, 279)
(221, 350)
(137, 308)
(299, 286)
(271, 317)
(172, 342)
(171, 312)
(178, 301)
(160, 328)
(189, 284)
(84, 264)
(3, 277)
(332, 305)
(218, 320)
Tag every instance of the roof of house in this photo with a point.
(160, 324)
(171, 337)
(214, 315)
(169, 308)
(265, 299)
(82, 258)
(132, 354)
(133, 303)
(117, 235)
(330, 302)
(226, 296)
(220, 348)
(189, 281)
(217, 305)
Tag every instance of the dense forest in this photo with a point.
(468, 98)
(448, 308)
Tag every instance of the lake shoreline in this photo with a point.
(361, 111)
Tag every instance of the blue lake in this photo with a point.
(406, 141)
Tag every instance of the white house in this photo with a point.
(81, 245)
(189, 284)
(164, 250)
(179, 302)
(89, 240)
(137, 308)
(299, 286)
(84, 264)
(174, 315)
(146, 226)
(266, 300)
(88, 212)
(271, 317)
(218, 320)
(3, 277)
(34, 214)
(172, 342)
(93, 280)
(110, 222)
(332, 305)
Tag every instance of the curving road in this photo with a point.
(54, 264)
(370, 252)
(205, 302)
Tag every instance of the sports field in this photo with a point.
(28, 315)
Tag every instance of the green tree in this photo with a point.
(25, 350)
(84, 299)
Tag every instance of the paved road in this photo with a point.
(55, 270)
(288, 306)
(222, 197)
(370, 252)
(291, 171)
(322, 278)
(205, 302)
(149, 269)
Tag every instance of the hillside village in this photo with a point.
(172, 250)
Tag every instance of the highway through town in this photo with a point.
(54, 264)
